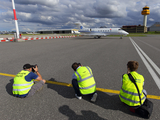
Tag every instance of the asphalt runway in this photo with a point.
(107, 57)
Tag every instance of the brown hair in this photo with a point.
(133, 65)
(75, 66)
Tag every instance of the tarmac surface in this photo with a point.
(107, 57)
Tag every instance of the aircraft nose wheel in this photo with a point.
(97, 37)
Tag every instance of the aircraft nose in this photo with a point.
(125, 33)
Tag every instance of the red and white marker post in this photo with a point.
(15, 18)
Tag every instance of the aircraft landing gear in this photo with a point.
(97, 37)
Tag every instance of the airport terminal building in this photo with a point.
(142, 29)
(155, 27)
(135, 28)
(57, 31)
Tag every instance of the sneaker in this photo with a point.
(78, 97)
(94, 97)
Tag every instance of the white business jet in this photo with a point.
(98, 32)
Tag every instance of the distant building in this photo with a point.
(57, 31)
(155, 27)
(135, 29)
(103, 27)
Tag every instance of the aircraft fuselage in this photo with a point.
(103, 31)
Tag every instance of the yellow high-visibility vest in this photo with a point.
(20, 85)
(128, 93)
(85, 80)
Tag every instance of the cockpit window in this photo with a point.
(119, 29)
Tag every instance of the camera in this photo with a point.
(34, 66)
(79, 64)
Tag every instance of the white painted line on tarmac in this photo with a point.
(151, 71)
(150, 45)
(151, 62)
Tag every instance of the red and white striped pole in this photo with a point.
(15, 18)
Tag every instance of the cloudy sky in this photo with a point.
(36, 15)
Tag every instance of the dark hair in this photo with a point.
(133, 65)
(75, 66)
(27, 66)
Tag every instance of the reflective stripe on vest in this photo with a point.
(133, 101)
(87, 87)
(23, 84)
(132, 93)
(22, 89)
(86, 77)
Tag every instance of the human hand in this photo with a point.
(35, 68)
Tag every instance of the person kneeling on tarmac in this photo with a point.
(23, 84)
(128, 93)
(83, 81)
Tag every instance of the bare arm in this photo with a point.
(39, 75)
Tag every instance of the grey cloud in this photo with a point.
(49, 3)
(106, 9)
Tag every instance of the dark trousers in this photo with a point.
(76, 88)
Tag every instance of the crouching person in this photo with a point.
(128, 93)
(23, 84)
(83, 81)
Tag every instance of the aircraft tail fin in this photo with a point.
(80, 26)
